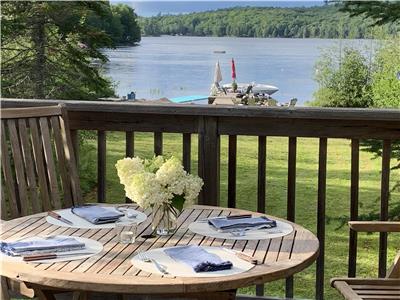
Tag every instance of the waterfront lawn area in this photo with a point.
(337, 195)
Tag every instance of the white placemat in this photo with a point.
(179, 269)
(82, 223)
(281, 229)
(92, 246)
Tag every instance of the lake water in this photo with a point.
(173, 66)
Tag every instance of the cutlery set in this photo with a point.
(145, 258)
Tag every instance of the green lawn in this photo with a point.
(338, 195)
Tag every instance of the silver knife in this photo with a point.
(33, 257)
(60, 218)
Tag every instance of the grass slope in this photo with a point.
(337, 195)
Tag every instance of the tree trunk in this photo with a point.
(39, 46)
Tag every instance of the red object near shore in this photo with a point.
(233, 70)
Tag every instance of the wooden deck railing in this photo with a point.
(210, 122)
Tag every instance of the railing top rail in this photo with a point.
(217, 111)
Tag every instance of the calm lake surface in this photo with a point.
(173, 66)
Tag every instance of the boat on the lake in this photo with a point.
(220, 51)
(257, 88)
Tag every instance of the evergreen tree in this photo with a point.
(47, 49)
(382, 12)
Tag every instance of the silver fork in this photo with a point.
(145, 258)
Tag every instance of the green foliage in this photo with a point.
(120, 23)
(350, 77)
(382, 12)
(344, 80)
(47, 49)
(314, 22)
(87, 163)
(386, 85)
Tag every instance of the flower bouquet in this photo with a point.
(161, 184)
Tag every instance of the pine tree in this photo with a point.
(47, 50)
(382, 12)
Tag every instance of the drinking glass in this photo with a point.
(125, 230)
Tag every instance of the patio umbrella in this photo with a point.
(217, 74)
(233, 70)
(217, 79)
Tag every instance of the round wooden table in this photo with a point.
(111, 270)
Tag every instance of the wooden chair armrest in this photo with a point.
(343, 288)
(375, 226)
(394, 270)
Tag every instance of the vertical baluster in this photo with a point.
(101, 166)
(129, 150)
(384, 205)
(321, 217)
(262, 152)
(209, 160)
(186, 151)
(129, 144)
(158, 143)
(291, 199)
(232, 171)
(75, 145)
(355, 162)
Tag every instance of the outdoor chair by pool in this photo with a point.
(376, 288)
(39, 170)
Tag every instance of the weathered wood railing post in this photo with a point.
(209, 152)
(385, 191)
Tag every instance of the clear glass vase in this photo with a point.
(164, 219)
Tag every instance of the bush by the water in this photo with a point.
(352, 77)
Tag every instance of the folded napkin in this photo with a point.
(225, 225)
(97, 214)
(41, 245)
(198, 258)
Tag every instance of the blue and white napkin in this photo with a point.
(96, 214)
(225, 224)
(41, 245)
(198, 258)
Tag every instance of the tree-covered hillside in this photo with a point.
(314, 22)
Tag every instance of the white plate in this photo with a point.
(90, 246)
(281, 229)
(180, 269)
(82, 223)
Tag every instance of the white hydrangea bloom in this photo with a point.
(145, 190)
(193, 185)
(152, 165)
(157, 181)
(128, 167)
(170, 173)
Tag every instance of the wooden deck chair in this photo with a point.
(376, 288)
(39, 171)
